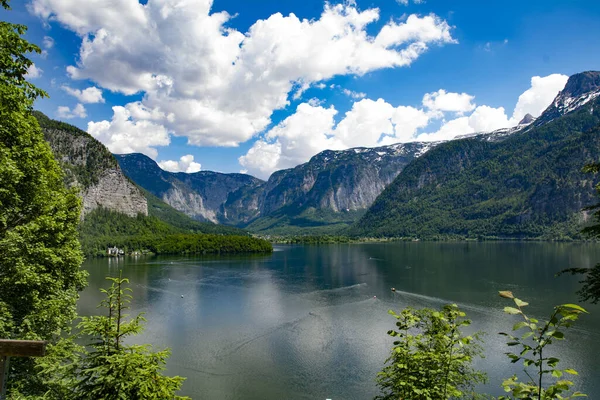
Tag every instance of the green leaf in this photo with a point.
(520, 303)
(520, 325)
(558, 335)
(512, 310)
(575, 307)
(571, 371)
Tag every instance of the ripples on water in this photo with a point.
(310, 322)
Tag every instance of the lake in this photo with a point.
(310, 322)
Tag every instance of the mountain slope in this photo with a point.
(328, 192)
(199, 195)
(332, 190)
(527, 185)
(91, 167)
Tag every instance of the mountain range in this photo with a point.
(528, 184)
(520, 182)
(330, 191)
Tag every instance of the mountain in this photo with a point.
(119, 213)
(525, 184)
(89, 166)
(330, 191)
(199, 195)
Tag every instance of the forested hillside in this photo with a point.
(529, 185)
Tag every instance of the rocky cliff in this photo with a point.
(89, 166)
(333, 184)
(333, 187)
(199, 195)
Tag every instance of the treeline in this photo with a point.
(104, 228)
(309, 239)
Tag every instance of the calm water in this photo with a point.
(303, 323)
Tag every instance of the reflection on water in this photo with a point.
(310, 322)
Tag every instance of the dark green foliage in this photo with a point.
(431, 357)
(82, 157)
(533, 353)
(113, 369)
(39, 252)
(590, 291)
(104, 228)
(310, 239)
(528, 185)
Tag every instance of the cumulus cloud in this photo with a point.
(66, 113)
(533, 101)
(86, 96)
(541, 93)
(444, 101)
(220, 85)
(124, 135)
(312, 129)
(33, 72)
(370, 123)
(185, 164)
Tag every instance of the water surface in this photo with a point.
(310, 322)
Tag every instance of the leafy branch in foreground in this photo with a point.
(533, 353)
(115, 370)
(590, 289)
(431, 358)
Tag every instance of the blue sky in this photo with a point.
(233, 86)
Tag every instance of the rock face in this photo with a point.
(334, 186)
(526, 184)
(331, 183)
(114, 192)
(580, 89)
(199, 195)
(89, 166)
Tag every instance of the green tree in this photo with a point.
(590, 289)
(534, 354)
(431, 360)
(114, 369)
(39, 252)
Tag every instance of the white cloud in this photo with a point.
(86, 96)
(220, 85)
(124, 135)
(48, 42)
(535, 99)
(66, 113)
(444, 101)
(405, 2)
(312, 129)
(369, 123)
(185, 164)
(33, 72)
(354, 95)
